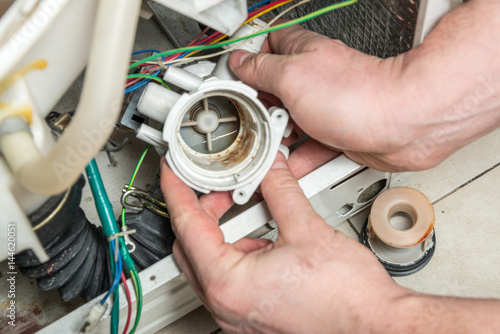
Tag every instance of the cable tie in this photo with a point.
(121, 234)
(161, 64)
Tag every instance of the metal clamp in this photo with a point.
(145, 199)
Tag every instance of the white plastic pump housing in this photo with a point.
(221, 138)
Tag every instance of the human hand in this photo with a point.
(313, 279)
(404, 113)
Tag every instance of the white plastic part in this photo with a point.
(182, 79)
(18, 148)
(222, 15)
(220, 137)
(56, 31)
(156, 101)
(12, 213)
(222, 70)
(151, 136)
(100, 102)
(254, 44)
(202, 69)
(239, 167)
(93, 318)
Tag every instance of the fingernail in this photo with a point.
(280, 162)
(238, 57)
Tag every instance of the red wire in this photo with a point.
(129, 301)
(199, 36)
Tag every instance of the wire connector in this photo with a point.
(93, 318)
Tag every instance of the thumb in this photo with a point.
(263, 71)
(286, 201)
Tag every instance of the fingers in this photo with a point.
(289, 207)
(216, 204)
(309, 156)
(262, 71)
(272, 73)
(199, 234)
(248, 245)
(188, 271)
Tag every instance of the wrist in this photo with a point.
(401, 314)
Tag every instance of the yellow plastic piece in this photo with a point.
(9, 109)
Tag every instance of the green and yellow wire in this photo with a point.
(148, 76)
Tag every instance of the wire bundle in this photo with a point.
(217, 43)
(119, 253)
(152, 65)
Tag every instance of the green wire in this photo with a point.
(133, 272)
(132, 179)
(152, 77)
(138, 292)
(277, 27)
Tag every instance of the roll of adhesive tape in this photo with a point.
(402, 217)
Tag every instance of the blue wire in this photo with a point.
(118, 271)
(139, 84)
(145, 81)
(145, 51)
(259, 4)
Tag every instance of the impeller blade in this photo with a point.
(209, 141)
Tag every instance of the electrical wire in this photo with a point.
(139, 82)
(152, 77)
(134, 274)
(138, 292)
(115, 313)
(117, 259)
(132, 179)
(304, 18)
(105, 211)
(266, 9)
(259, 4)
(129, 302)
(212, 39)
(217, 36)
(191, 59)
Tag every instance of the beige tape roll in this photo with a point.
(400, 202)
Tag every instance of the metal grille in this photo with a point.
(382, 28)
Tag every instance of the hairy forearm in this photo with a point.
(451, 83)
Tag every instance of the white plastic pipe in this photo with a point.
(100, 102)
(156, 101)
(182, 78)
(18, 148)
